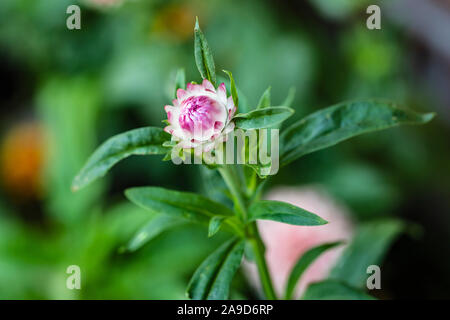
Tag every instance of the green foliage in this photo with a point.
(142, 141)
(214, 225)
(283, 212)
(180, 81)
(303, 263)
(186, 205)
(332, 125)
(68, 109)
(264, 101)
(368, 247)
(319, 130)
(262, 118)
(151, 229)
(334, 290)
(213, 277)
(289, 98)
(203, 55)
(233, 89)
(91, 86)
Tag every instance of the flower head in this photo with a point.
(200, 116)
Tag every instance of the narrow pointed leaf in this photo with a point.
(203, 55)
(262, 118)
(289, 98)
(264, 101)
(368, 247)
(262, 170)
(303, 263)
(187, 205)
(151, 229)
(180, 81)
(213, 277)
(283, 212)
(142, 141)
(334, 290)
(214, 225)
(332, 125)
(233, 88)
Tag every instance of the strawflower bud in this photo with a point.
(200, 116)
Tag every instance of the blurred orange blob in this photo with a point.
(21, 160)
(175, 21)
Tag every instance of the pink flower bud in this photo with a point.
(200, 116)
(285, 243)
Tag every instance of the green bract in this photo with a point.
(233, 89)
(262, 118)
(203, 56)
(180, 81)
(264, 101)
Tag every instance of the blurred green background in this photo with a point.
(65, 91)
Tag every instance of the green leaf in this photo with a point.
(334, 290)
(169, 144)
(367, 248)
(243, 101)
(142, 141)
(185, 205)
(303, 263)
(233, 88)
(203, 55)
(283, 212)
(289, 98)
(332, 125)
(264, 101)
(180, 81)
(151, 229)
(262, 118)
(249, 254)
(262, 170)
(213, 277)
(214, 225)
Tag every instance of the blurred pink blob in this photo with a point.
(286, 243)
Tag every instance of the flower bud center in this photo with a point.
(198, 113)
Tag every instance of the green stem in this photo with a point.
(233, 184)
(257, 246)
(264, 275)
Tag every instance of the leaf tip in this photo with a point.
(197, 26)
(129, 193)
(427, 117)
(75, 186)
